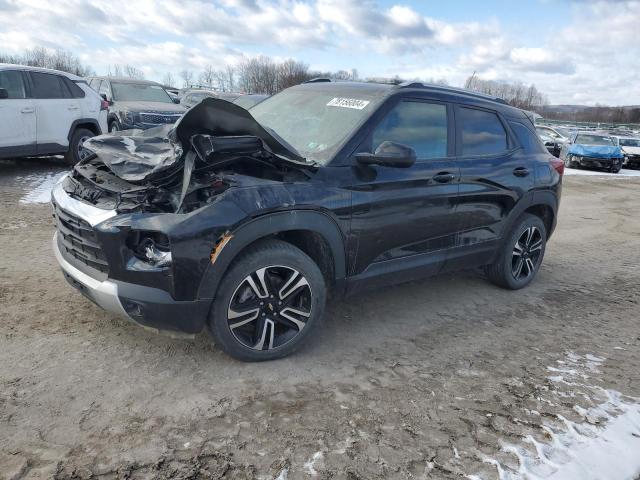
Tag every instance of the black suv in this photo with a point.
(242, 222)
(136, 103)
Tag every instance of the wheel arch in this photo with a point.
(90, 124)
(546, 214)
(315, 233)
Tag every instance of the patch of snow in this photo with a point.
(310, 465)
(40, 188)
(604, 444)
(283, 474)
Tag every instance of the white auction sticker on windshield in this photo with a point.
(348, 103)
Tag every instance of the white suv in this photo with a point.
(47, 112)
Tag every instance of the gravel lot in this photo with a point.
(443, 378)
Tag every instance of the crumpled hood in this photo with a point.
(631, 150)
(135, 155)
(595, 151)
(139, 106)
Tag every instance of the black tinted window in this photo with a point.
(11, 81)
(422, 126)
(46, 86)
(74, 88)
(482, 132)
(529, 141)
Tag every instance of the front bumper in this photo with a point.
(595, 162)
(102, 293)
(147, 306)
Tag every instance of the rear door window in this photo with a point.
(46, 85)
(481, 132)
(13, 83)
(419, 125)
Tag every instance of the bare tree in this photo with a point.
(187, 78)
(258, 75)
(115, 71)
(291, 72)
(230, 75)
(516, 94)
(168, 80)
(133, 72)
(57, 60)
(208, 76)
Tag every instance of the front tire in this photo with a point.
(114, 126)
(269, 302)
(521, 256)
(76, 150)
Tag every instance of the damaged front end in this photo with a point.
(178, 169)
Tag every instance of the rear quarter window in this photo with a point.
(482, 132)
(529, 141)
(74, 88)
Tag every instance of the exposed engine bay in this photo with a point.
(180, 168)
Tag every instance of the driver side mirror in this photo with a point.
(4, 93)
(176, 100)
(389, 154)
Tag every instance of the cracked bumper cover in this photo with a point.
(149, 307)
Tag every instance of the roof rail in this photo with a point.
(446, 88)
(318, 80)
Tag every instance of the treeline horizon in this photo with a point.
(266, 75)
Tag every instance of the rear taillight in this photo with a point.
(557, 164)
(104, 105)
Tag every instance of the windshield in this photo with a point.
(630, 142)
(135, 92)
(593, 140)
(315, 123)
(248, 101)
(563, 131)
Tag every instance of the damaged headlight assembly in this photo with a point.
(151, 251)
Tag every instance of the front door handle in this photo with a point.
(444, 177)
(521, 171)
(72, 108)
(27, 110)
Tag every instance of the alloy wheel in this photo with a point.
(270, 307)
(526, 253)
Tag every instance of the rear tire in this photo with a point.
(76, 151)
(269, 302)
(521, 254)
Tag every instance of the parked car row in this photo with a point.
(49, 112)
(608, 150)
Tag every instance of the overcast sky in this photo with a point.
(574, 51)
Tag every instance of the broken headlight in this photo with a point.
(151, 251)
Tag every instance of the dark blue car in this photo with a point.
(594, 150)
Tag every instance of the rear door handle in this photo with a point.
(444, 177)
(72, 108)
(521, 171)
(27, 110)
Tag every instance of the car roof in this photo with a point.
(11, 66)
(389, 89)
(127, 80)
